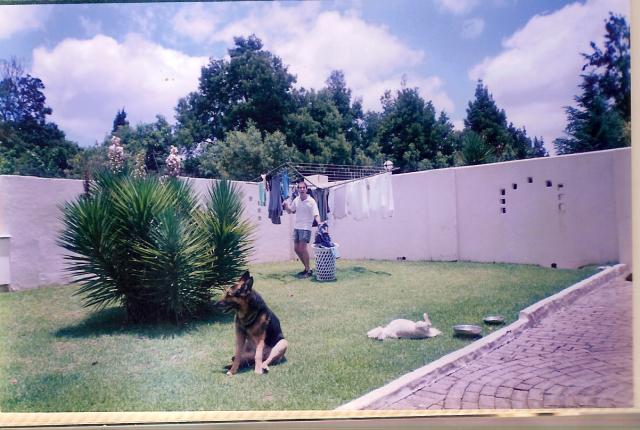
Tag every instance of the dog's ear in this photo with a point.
(248, 285)
(245, 276)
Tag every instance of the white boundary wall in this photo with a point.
(447, 214)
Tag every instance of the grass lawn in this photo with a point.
(57, 356)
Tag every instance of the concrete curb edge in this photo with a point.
(413, 381)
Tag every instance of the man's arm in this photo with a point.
(287, 207)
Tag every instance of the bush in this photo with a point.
(144, 243)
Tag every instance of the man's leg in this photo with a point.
(304, 255)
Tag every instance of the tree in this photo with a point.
(602, 115)
(153, 140)
(253, 85)
(409, 134)
(244, 155)
(29, 145)
(350, 111)
(486, 119)
(315, 129)
(593, 125)
(613, 65)
(120, 120)
(21, 96)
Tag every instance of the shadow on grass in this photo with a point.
(112, 321)
(359, 270)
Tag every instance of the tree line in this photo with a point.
(247, 116)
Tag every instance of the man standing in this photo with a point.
(306, 210)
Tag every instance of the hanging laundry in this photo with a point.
(376, 196)
(262, 194)
(322, 199)
(386, 185)
(275, 199)
(284, 185)
(340, 202)
(358, 199)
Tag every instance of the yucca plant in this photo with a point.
(144, 243)
(475, 150)
(230, 237)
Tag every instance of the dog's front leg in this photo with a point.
(259, 352)
(237, 358)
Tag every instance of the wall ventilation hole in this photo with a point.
(503, 201)
(554, 266)
(560, 196)
(503, 210)
(502, 191)
(514, 186)
(530, 180)
(561, 207)
(560, 185)
(250, 198)
(549, 183)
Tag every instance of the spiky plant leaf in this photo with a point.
(229, 234)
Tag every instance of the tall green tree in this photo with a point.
(244, 155)
(408, 132)
(153, 140)
(593, 125)
(487, 120)
(120, 120)
(316, 129)
(602, 116)
(29, 144)
(252, 85)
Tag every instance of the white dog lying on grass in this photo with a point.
(406, 329)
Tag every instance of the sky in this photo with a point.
(95, 59)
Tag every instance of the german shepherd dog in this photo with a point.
(259, 338)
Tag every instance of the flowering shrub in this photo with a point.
(139, 168)
(116, 155)
(173, 162)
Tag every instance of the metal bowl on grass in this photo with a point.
(494, 319)
(467, 330)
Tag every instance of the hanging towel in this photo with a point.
(358, 199)
(340, 202)
(386, 186)
(275, 199)
(376, 196)
(284, 185)
(262, 194)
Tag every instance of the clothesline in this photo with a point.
(340, 174)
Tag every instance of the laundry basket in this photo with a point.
(325, 263)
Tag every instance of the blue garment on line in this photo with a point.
(284, 185)
(262, 195)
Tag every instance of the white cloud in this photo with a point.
(14, 19)
(88, 81)
(314, 42)
(472, 28)
(457, 7)
(538, 71)
(196, 22)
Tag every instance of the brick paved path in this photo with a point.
(581, 356)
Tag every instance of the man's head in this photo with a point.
(302, 187)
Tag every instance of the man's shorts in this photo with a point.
(301, 235)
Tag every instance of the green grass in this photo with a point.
(57, 356)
